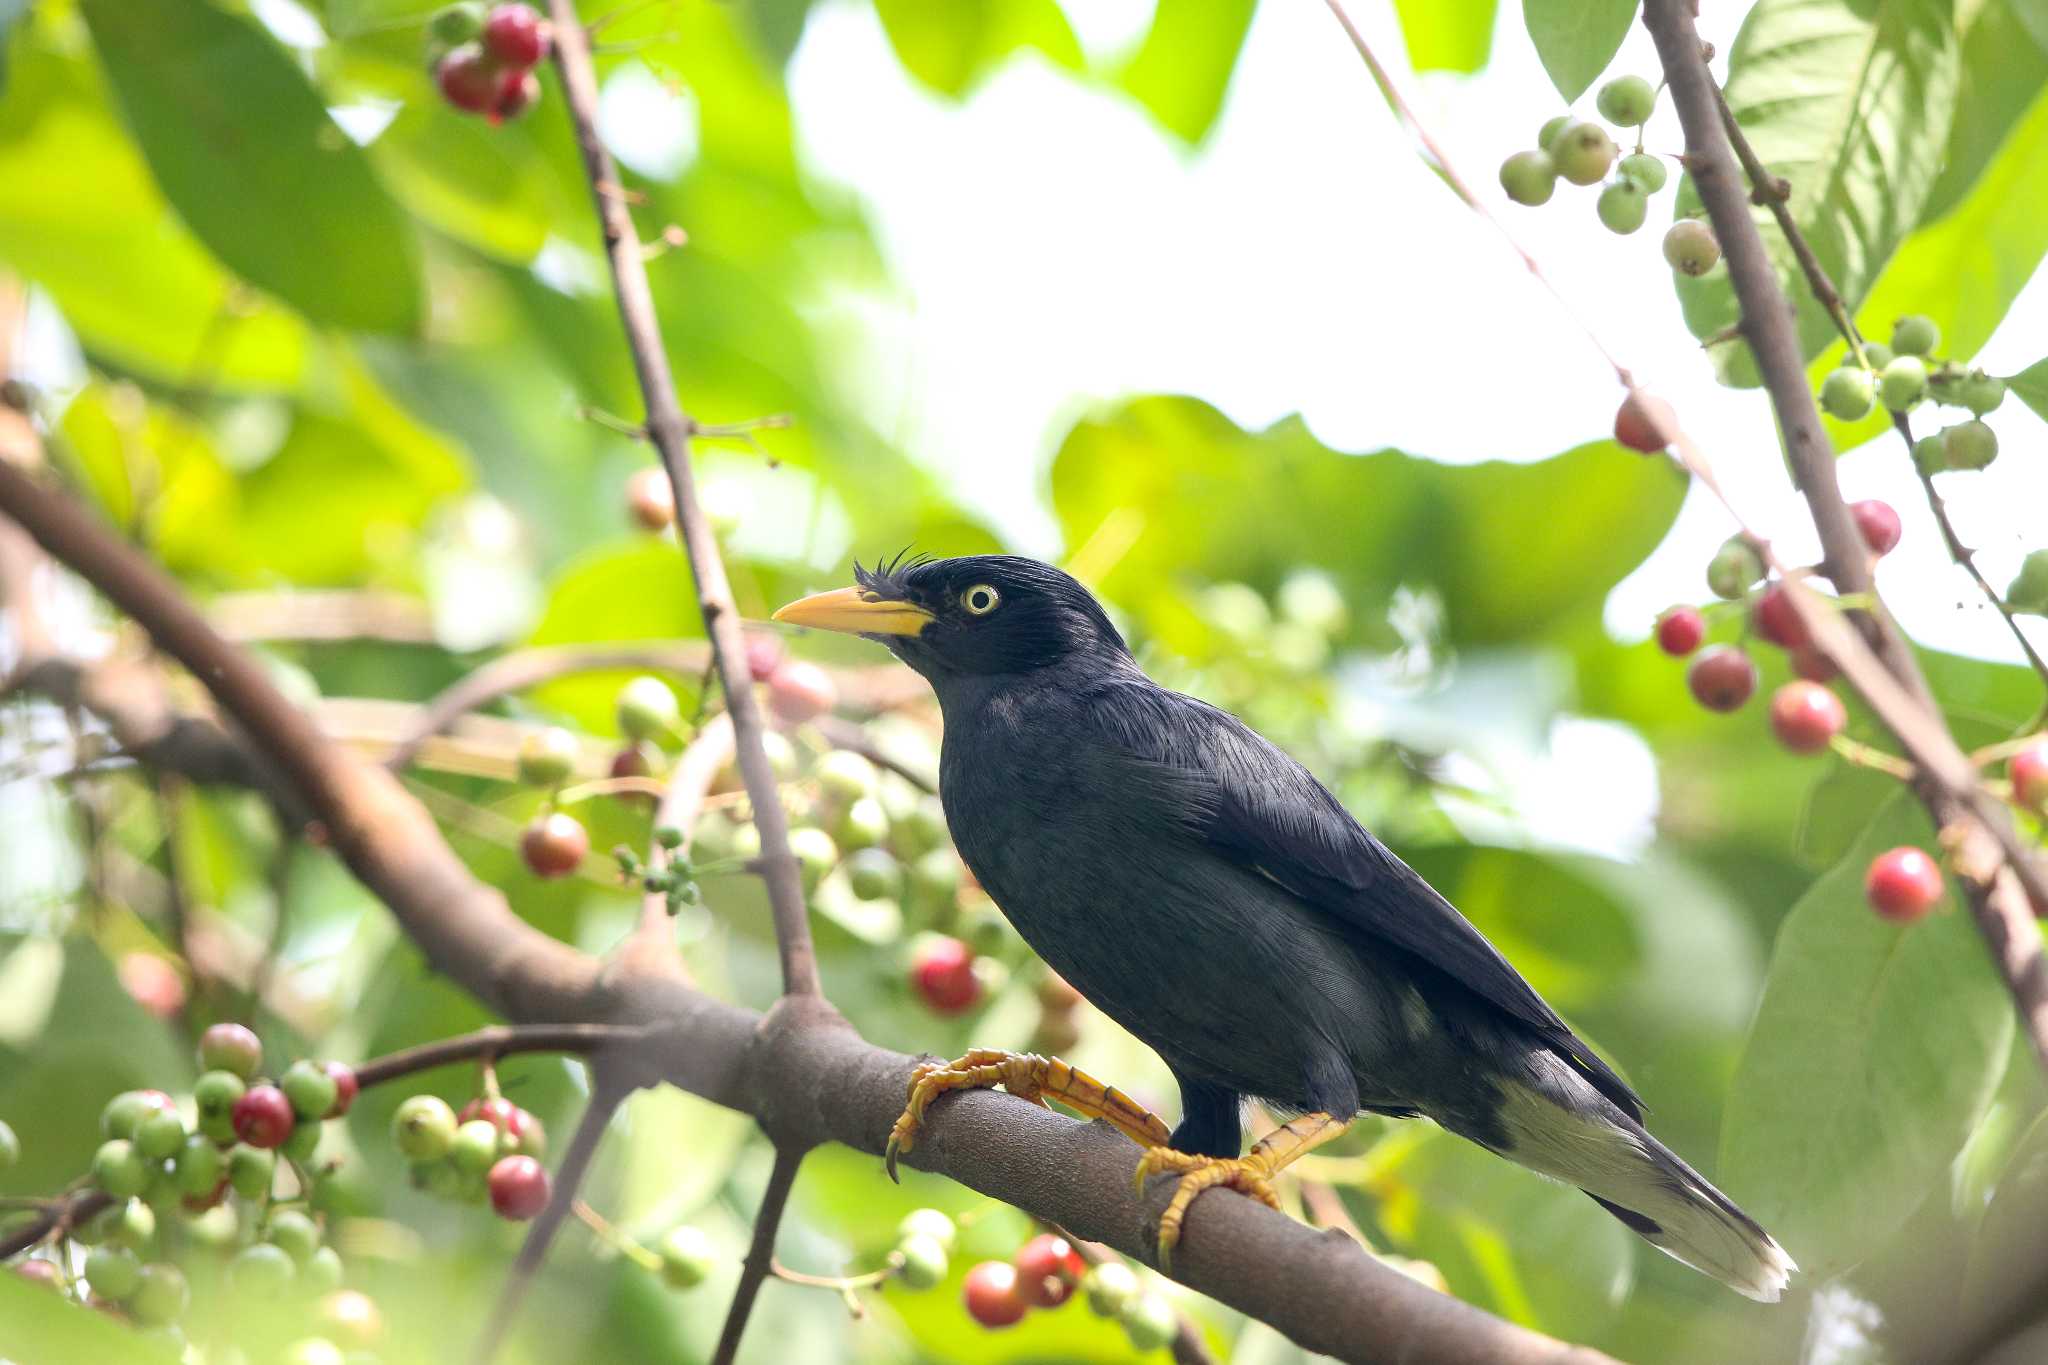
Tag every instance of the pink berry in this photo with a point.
(519, 1187)
(1641, 422)
(518, 91)
(1777, 620)
(990, 1291)
(554, 845)
(943, 972)
(1722, 678)
(1903, 884)
(799, 691)
(1805, 716)
(1814, 666)
(467, 79)
(1680, 630)
(513, 35)
(1048, 1268)
(2028, 770)
(346, 1087)
(1878, 523)
(764, 656)
(263, 1116)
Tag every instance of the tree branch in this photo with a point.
(760, 1260)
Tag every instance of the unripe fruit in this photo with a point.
(262, 1271)
(844, 775)
(423, 1128)
(519, 1188)
(1969, 445)
(467, 79)
(864, 825)
(1641, 420)
(1110, 1287)
(476, 1147)
(126, 1111)
(990, 1292)
(1776, 620)
(458, 23)
(1903, 884)
(942, 970)
(1623, 206)
(1734, 569)
(554, 845)
(647, 709)
(231, 1047)
(161, 1296)
(799, 691)
(1722, 678)
(924, 1262)
(1915, 335)
(1626, 101)
(119, 1169)
(2028, 770)
(1149, 1322)
(1583, 152)
(201, 1167)
(688, 1257)
(518, 91)
(547, 757)
(1981, 393)
(1048, 1268)
(1805, 716)
(513, 35)
(293, 1233)
(250, 1171)
(352, 1318)
(346, 1087)
(935, 878)
(1690, 247)
(815, 854)
(213, 1096)
(1647, 170)
(302, 1142)
(2028, 591)
(650, 499)
(1930, 454)
(159, 1136)
(310, 1089)
(1529, 178)
(113, 1272)
(1904, 382)
(928, 1223)
(872, 875)
(322, 1272)
(263, 1117)
(921, 830)
(1848, 395)
(1680, 630)
(1546, 137)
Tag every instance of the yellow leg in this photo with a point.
(1027, 1076)
(1250, 1174)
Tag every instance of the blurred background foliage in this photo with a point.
(303, 328)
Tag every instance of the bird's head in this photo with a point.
(977, 615)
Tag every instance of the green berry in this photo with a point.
(927, 1223)
(214, 1095)
(458, 23)
(162, 1296)
(746, 842)
(1150, 1322)
(815, 854)
(126, 1111)
(924, 1262)
(846, 776)
(303, 1142)
(1915, 334)
(1547, 137)
(216, 1229)
(1904, 382)
(476, 1147)
(1930, 454)
(1583, 152)
(687, 1257)
(922, 828)
(872, 875)
(1876, 355)
(1624, 206)
(1981, 392)
(159, 1136)
(163, 1193)
(1626, 101)
(293, 1233)
(310, 1089)
(935, 877)
(262, 1271)
(119, 1169)
(1110, 1287)
(547, 757)
(1969, 445)
(134, 1225)
(2029, 590)
(864, 825)
(1646, 169)
(1848, 395)
(1734, 569)
(648, 709)
(1529, 178)
(231, 1047)
(250, 1170)
(424, 1127)
(1690, 247)
(10, 1147)
(322, 1273)
(113, 1272)
(201, 1167)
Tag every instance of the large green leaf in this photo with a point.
(1576, 39)
(950, 44)
(243, 147)
(1446, 35)
(1874, 1051)
(2004, 68)
(1181, 70)
(2030, 386)
(1851, 103)
(480, 184)
(1191, 496)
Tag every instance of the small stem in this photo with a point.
(618, 1241)
(1863, 756)
(760, 1254)
(499, 1040)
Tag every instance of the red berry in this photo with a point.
(346, 1087)
(467, 79)
(1048, 1268)
(992, 1296)
(501, 1113)
(764, 656)
(1777, 620)
(2028, 770)
(554, 845)
(513, 35)
(153, 982)
(1903, 884)
(800, 691)
(1680, 630)
(1878, 523)
(1805, 716)
(943, 972)
(1642, 420)
(39, 1272)
(518, 91)
(1722, 678)
(1814, 666)
(263, 1116)
(519, 1187)
(632, 761)
(650, 499)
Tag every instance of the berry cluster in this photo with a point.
(1583, 153)
(491, 1150)
(483, 60)
(1046, 1271)
(1907, 373)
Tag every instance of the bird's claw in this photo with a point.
(1249, 1175)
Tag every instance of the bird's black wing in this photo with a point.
(1237, 792)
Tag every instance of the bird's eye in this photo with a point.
(980, 599)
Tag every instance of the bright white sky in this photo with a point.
(1054, 251)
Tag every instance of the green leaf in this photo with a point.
(479, 184)
(2004, 68)
(1851, 104)
(1576, 39)
(2030, 386)
(243, 147)
(1447, 35)
(37, 1324)
(1182, 69)
(1164, 492)
(1874, 1051)
(950, 44)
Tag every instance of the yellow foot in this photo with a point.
(1250, 1174)
(1027, 1076)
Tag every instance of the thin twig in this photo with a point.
(1967, 557)
(1187, 1345)
(682, 802)
(842, 733)
(499, 1040)
(760, 1254)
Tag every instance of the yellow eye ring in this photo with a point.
(981, 599)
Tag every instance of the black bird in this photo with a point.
(1210, 895)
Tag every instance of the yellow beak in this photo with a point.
(856, 611)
